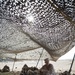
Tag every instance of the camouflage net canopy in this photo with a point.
(34, 28)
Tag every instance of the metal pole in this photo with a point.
(14, 64)
(71, 64)
(39, 58)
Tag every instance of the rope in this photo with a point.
(39, 58)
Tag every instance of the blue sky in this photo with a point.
(68, 55)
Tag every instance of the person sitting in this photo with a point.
(47, 69)
(5, 69)
(24, 70)
(0, 70)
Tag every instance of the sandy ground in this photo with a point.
(60, 66)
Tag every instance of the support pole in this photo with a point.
(14, 64)
(39, 58)
(71, 64)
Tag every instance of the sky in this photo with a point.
(68, 55)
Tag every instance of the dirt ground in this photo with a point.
(10, 73)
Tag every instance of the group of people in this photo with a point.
(46, 69)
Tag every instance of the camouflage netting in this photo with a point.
(37, 25)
